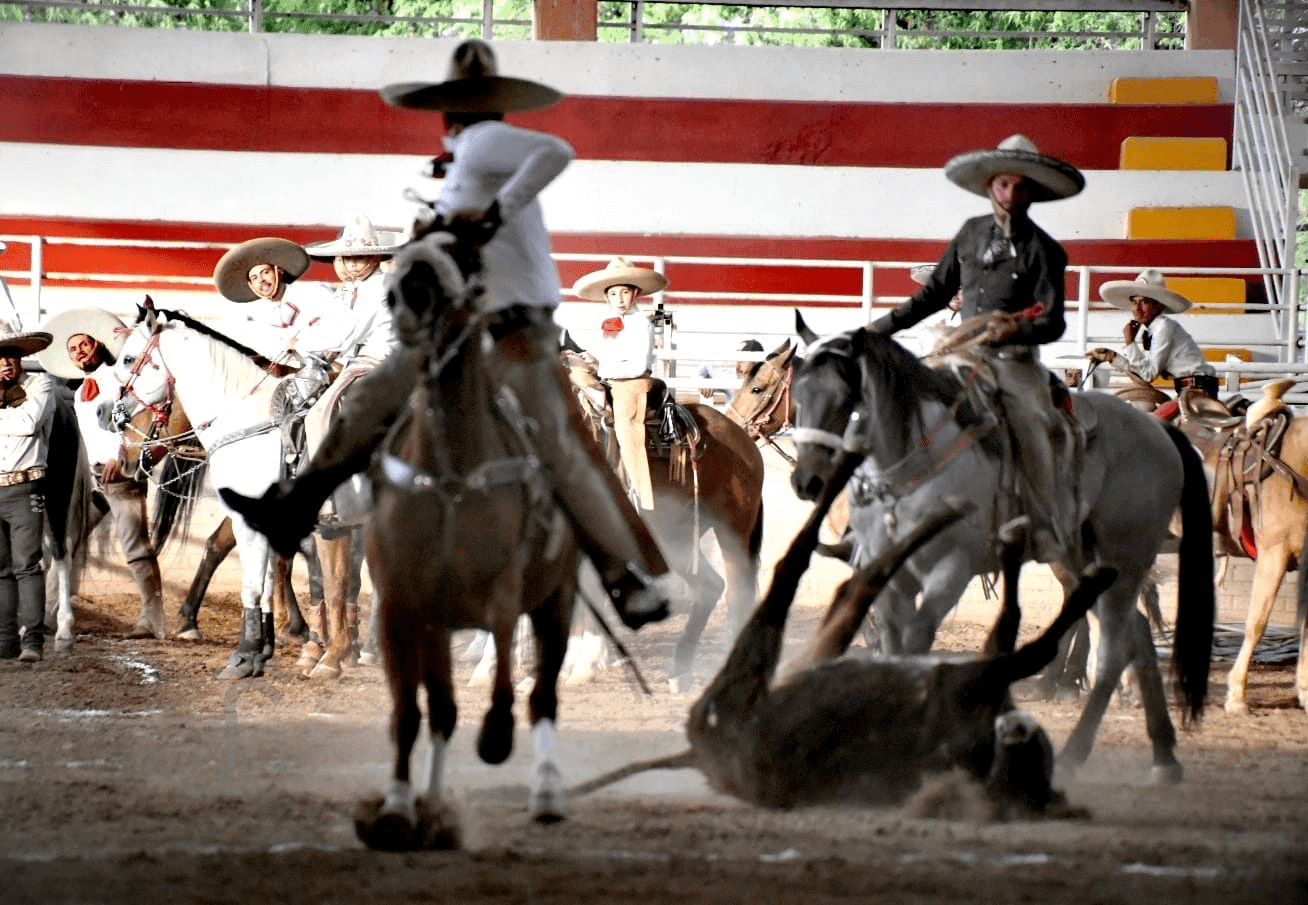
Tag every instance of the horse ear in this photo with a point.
(802, 329)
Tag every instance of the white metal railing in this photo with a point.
(1261, 149)
(905, 24)
(1274, 328)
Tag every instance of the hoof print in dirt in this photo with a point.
(437, 828)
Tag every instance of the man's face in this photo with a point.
(1144, 309)
(84, 351)
(10, 370)
(358, 267)
(621, 298)
(265, 280)
(1010, 192)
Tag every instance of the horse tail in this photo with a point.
(1196, 604)
(179, 483)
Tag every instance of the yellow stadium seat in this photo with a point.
(1181, 223)
(1180, 90)
(1211, 294)
(1168, 153)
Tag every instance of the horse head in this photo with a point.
(427, 287)
(826, 388)
(143, 379)
(763, 404)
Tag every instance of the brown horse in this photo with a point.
(464, 534)
(1260, 509)
(720, 488)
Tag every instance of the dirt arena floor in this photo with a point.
(129, 773)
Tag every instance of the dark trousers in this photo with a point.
(22, 580)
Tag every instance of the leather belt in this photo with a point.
(10, 478)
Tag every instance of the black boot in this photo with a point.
(243, 663)
(640, 598)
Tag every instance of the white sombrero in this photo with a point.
(18, 344)
(922, 273)
(1051, 178)
(358, 239)
(94, 322)
(472, 85)
(232, 275)
(1149, 284)
(619, 272)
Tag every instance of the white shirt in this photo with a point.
(495, 161)
(25, 429)
(365, 320)
(300, 312)
(101, 384)
(1172, 351)
(629, 352)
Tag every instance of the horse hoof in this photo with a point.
(368, 659)
(1237, 707)
(63, 645)
(243, 669)
(436, 828)
(190, 634)
(681, 685)
(1166, 774)
(325, 670)
(548, 801)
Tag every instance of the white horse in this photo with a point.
(228, 395)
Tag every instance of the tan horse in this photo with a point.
(1260, 511)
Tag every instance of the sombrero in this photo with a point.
(1149, 284)
(1051, 178)
(358, 239)
(922, 273)
(94, 322)
(17, 344)
(232, 275)
(472, 85)
(619, 272)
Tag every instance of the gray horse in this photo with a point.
(920, 445)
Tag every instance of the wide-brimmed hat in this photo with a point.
(1050, 178)
(96, 323)
(232, 275)
(20, 344)
(359, 238)
(1149, 284)
(619, 272)
(472, 85)
(921, 273)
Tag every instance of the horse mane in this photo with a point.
(262, 361)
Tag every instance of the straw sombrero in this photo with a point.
(619, 272)
(1051, 178)
(1149, 284)
(358, 239)
(94, 322)
(17, 344)
(472, 85)
(231, 276)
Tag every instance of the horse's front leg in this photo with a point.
(64, 600)
(334, 558)
(547, 801)
(257, 637)
(495, 741)
(216, 548)
(1269, 572)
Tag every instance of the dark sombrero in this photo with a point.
(472, 85)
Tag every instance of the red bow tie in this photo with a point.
(612, 326)
(90, 389)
